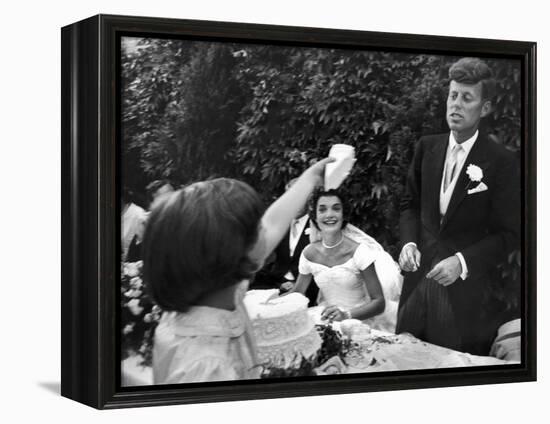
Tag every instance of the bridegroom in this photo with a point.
(459, 220)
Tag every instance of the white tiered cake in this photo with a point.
(283, 329)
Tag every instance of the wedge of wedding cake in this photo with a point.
(283, 330)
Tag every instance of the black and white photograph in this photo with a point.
(296, 211)
(275, 212)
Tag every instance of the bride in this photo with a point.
(356, 277)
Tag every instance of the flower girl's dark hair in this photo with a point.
(321, 192)
(197, 241)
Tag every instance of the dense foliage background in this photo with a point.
(192, 110)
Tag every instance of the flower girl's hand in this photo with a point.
(317, 171)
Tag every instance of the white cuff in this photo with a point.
(289, 276)
(464, 273)
(406, 244)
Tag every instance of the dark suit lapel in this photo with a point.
(303, 241)
(477, 156)
(283, 253)
(435, 158)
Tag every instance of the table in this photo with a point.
(381, 352)
(390, 352)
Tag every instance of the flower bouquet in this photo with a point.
(330, 359)
(139, 315)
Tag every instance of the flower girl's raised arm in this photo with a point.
(278, 216)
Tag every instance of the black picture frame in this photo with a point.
(90, 211)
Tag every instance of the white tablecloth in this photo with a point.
(390, 352)
(376, 351)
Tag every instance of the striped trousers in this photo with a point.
(428, 315)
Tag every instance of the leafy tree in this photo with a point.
(180, 106)
(263, 113)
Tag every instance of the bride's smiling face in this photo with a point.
(329, 213)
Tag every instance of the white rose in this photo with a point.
(136, 282)
(474, 172)
(134, 307)
(133, 293)
(128, 329)
(132, 269)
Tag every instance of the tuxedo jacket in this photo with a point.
(273, 273)
(484, 226)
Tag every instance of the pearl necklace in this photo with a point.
(326, 246)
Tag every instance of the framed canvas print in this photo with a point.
(254, 211)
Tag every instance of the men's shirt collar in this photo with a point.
(466, 145)
(302, 220)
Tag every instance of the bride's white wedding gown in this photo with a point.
(343, 285)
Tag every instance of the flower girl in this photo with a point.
(201, 246)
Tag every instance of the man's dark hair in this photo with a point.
(470, 70)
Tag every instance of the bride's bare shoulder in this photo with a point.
(350, 245)
(312, 252)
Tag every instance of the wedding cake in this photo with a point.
(283, 330)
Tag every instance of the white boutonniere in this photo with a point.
(307, 232)
(474, 172)
(476, 175)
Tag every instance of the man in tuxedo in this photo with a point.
(459, 220)
(281, 268)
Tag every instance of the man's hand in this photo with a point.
(409, 259)
(447, 271)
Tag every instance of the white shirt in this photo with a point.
(299, 226)
(293, 238)
(445, 196)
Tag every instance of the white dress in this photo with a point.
(343, 285)
(205, 344)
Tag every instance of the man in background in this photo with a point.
(281, 268)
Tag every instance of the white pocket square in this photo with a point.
(478, 189)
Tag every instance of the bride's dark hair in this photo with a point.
(198, 239)
(321, 192)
